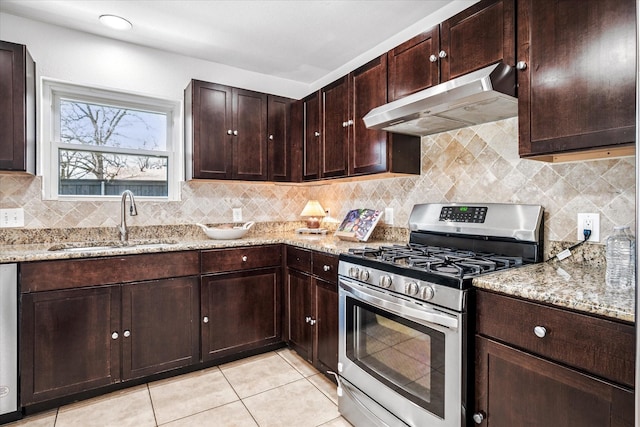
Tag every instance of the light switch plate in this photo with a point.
(11, 217)
(388, 216)
(237, 214)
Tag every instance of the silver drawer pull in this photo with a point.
(127, 333)
(205, 319)
(114, 336)
(326, 268)
(244, 258)
(540, 331)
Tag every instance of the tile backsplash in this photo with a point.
(476, 164)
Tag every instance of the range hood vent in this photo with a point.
(479, 97)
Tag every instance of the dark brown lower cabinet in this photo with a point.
(514, 388)
(240, 311)
(311, 293)
(159, 327)
(77, 340)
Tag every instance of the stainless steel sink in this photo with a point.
(97, 246)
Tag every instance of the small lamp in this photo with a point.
(313, 211)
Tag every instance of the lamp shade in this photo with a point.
(313, 211)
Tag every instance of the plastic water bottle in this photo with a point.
(621, 258)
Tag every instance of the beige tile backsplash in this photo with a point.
(476, 164)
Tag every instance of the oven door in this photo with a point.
(398, 355)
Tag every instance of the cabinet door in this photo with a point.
(367, 147)
(326, 326)
(312, 138)
(410, 66)
(335, 129)
(17, 108)
(514, 388)
(578, 90)
(70, 342)
(279, 148)
(249, 140)
(212, 124)
(299, 312)
(159, 326)
(477, 37)
(240, 311)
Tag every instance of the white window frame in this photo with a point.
(53, 90)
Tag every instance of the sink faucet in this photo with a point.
(124, 233)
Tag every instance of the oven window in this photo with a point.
(406, 356)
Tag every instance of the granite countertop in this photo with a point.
(572, 285)
(564, 284)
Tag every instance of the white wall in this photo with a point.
(85, 59)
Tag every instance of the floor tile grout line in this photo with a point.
(153, 408)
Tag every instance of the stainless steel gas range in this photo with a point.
(405, 310)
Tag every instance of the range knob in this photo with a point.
(411, 288)
(427, 292)
(354, 272)
(364, 275)
(385, 281)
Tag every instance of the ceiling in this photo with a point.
(301, 40)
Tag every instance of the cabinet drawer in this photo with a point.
(221, 260)
(325, 266)
(598, 346)
(300, 259)
(66, 274)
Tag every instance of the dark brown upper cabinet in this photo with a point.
(311, 146)
(343, 146)
(577, 86)
(17, 109)
(279, 146)
(225, 132)
(479, 36)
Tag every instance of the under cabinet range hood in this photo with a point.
(482, 96)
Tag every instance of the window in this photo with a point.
(98, 143)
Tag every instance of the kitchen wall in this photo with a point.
(478, 164)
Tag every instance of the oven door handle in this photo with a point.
(424, 314)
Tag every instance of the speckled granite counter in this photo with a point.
(41, 252)
(564, 284)
(577, 286)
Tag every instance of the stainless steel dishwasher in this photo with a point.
(8, 342)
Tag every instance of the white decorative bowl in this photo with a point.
(226, 233)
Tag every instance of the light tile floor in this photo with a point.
(272, 389)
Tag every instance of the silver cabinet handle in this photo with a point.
(205, 319)
(433, 58)
(478, 417)
(317, 133)
(127, 333)
(345, 124)
(350, 122)
(307, 319)
(521, 65)
(442, 54)
(114, 336)
(270, 137)
(235, 133)
(229, 132)
(540, 331)
(244, 258)
(326, 268)
(312, 322)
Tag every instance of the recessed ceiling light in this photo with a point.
(115, 22)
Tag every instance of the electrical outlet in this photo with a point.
(237, 214)
(388, 216)
(11, 218)
(589, 221)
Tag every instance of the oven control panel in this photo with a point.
(474, 214)
(418, 289)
